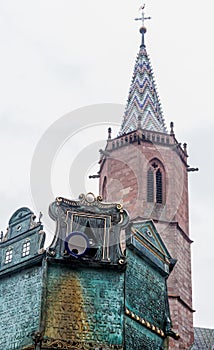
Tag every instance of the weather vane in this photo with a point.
(143, 18)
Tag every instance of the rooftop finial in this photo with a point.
(143, 19)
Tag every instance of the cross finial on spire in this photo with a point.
(143, 19)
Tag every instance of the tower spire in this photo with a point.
(143, 109)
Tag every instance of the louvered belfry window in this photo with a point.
(155, 183)
(150, 186)
(159, 187)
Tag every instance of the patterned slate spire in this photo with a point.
(143, 108)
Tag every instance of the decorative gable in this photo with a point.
(23, 242)
(149, 265)
(21, 221)
(145, 240)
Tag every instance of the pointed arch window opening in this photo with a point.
(155, 183)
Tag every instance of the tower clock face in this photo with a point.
(77, 244)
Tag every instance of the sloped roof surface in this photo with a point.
(204, 339)
(143, 105)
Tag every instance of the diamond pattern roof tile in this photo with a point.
(143, 102)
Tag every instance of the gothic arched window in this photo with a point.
(155, 182)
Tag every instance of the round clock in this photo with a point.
(77, 244)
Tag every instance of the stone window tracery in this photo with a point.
(155, 182)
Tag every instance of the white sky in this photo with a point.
(59, 55)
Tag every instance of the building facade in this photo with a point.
(84, 292)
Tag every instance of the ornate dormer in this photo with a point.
(88, 230)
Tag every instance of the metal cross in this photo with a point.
(143, 18)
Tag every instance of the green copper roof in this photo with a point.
(143, 108)
(204, 339)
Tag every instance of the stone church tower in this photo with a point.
(146, 168)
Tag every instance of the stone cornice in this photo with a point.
(180, 300)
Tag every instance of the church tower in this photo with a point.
(146, 169)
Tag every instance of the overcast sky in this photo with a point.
(59, 55)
